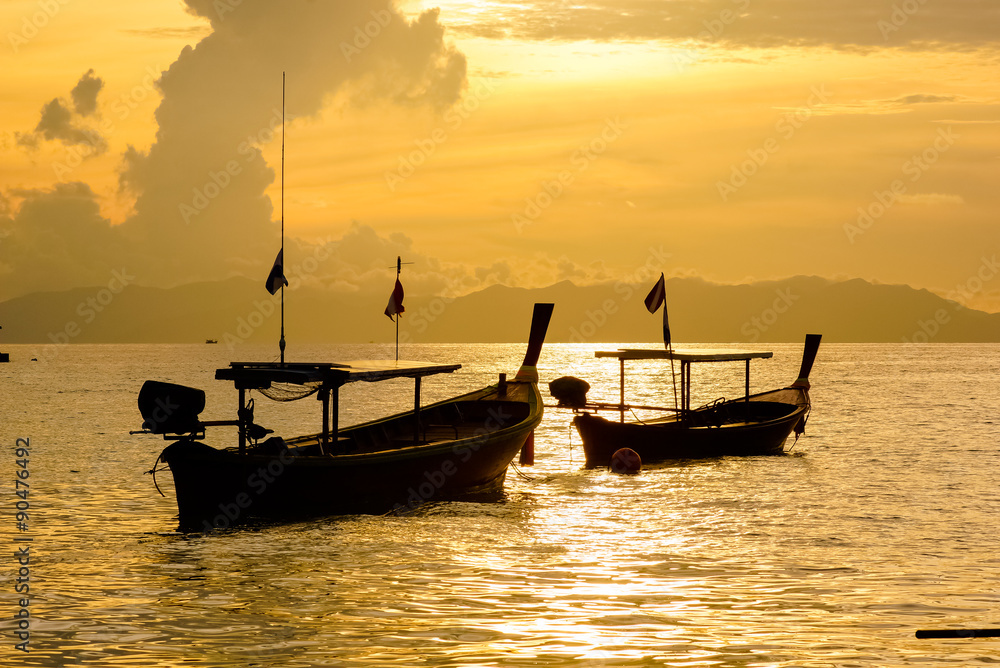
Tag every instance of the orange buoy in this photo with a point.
(626, 461)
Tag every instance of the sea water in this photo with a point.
(881, 521)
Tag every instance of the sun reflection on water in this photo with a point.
(831, 556)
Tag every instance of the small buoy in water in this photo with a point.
(626, 461)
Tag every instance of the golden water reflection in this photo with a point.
(881, 523)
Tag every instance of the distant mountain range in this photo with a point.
(240, 309)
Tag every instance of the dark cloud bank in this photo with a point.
(200, 211)
(907, 24)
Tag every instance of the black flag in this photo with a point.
(658, 297)
(276, 278)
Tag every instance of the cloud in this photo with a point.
(187, 32)
(201, 209)
(42, 242)
(926, 99)
(899, 105)
(85, 93)
(56, 123)
(59, 122)
(498, 272)
(956, 24)
(968, 121)
(364, 260)
(533, 270)
(930, 199)
(57, 239)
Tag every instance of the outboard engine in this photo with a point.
(570, 392)
(168, 408)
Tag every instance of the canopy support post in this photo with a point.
(335, 413)
(243, 424)
(416, 410)
(621, 394)
(685, 388)
(746, 397)
(324, 439)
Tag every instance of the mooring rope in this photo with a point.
(519, 472)
(153, 472)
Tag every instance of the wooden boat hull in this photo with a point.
(758, 425)
(462, 450)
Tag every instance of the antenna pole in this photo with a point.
(673, 376)
(281, 341)
(399, 268)
(670, 349)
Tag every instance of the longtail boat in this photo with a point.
(754, 424)
(459, 448)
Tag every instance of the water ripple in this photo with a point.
(880, 524)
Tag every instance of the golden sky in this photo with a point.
(521, 143)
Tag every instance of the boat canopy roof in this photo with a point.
(683, 355)
(261, 374)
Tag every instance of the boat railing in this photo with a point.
(607, 406)
(686, 358)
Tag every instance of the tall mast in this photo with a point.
(399, 268)
(281, 341)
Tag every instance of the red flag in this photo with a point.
(395, 306)
(658, 297)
